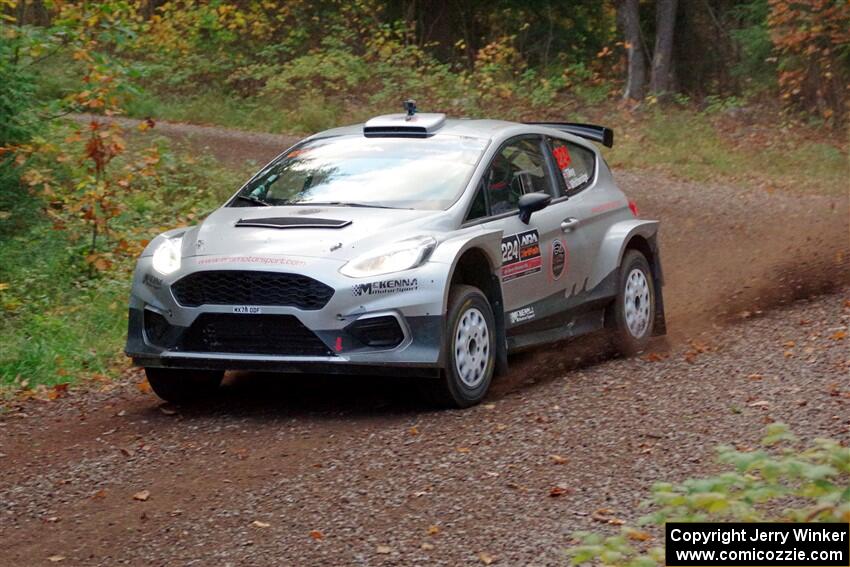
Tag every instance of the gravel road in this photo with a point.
(335, 471)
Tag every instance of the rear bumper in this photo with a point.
(418, 354)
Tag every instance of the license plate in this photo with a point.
(247, 309)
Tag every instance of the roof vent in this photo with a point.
(404, 125)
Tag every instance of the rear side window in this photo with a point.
(517, 169)
(575, 163)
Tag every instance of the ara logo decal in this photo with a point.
(521, 315)
(521, 255)
(386, 287)
(559, 258)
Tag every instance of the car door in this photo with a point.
(575, 168)
(534, 267)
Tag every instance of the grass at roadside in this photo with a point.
(699, 147)
(60, 322)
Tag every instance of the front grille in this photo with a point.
(252, 334)
(234, 287)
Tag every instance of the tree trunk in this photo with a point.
(662, 59)
(629, 19)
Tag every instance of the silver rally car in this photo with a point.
(413, 245)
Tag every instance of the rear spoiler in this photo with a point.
(601, 134)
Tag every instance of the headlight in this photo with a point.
(166, 258)
(400, 256)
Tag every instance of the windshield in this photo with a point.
(350, 170)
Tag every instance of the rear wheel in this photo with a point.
(470, 347)
(633, 312)
(181, 386)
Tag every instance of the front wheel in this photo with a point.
(182, 386)
(632, 315)
(470, 346)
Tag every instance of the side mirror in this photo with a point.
(531, 202)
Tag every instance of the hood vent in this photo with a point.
(293, 222)
(404, 125)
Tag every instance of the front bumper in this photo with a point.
(336, 347)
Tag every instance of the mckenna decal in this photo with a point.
(559, 258)
(521, 255)
(520, 315)
(386, 287)
(152, 282)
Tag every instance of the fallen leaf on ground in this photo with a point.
(259, 524)
(414, 430)
(99, 494)
(316, 534)
(558, 459)
(144, 387)
(383, 549)
(426, 546)
(606, 516)
(57, 391)
(142, 495)
(559, 490)
(759, 404)
(755, 376)
(638, 535)
(838, 335)
(433, 530)
(55, 558)
(462, 449)
(486, 558)
(167, 410)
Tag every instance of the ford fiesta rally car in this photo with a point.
(410, 245)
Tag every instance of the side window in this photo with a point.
(575, 163)
(519, 168)
(479, 206)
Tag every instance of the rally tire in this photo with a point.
(631, 316)
(470, 345)
(183, 386)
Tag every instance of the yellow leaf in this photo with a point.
(142, 495)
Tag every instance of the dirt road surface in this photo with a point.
(350, 471)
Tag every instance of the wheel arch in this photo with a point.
(640, 235)
(477, 262)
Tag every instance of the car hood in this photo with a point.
(313, 231)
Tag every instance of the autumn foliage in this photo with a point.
(812, 38)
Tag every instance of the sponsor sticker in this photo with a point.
(521, 255)
(562, 157)
(266, 260)
(575, 180)
(152, 282)
(386, 287)
(559, 258)
(520, 315)
(247, 309)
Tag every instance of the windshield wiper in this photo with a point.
(255, 200)
(344, 204)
